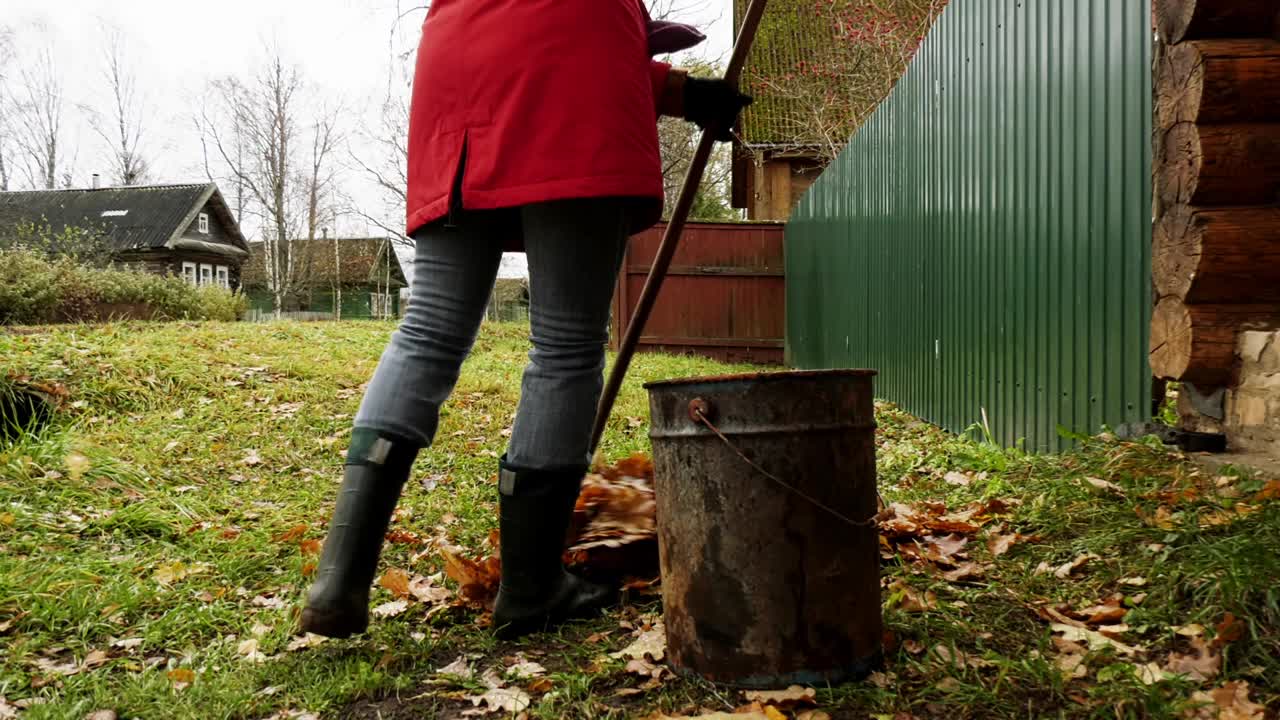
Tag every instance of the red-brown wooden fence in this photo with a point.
(723, 297)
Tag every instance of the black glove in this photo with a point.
(713, 104)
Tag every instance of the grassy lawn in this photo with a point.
(154, 545)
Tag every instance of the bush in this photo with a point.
(36, 290)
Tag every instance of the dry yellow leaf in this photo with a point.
(397, 581)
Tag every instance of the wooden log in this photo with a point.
(1179, 20)
(1219, 165)
(1196, 343)
(1224, 255)
(1219, 81)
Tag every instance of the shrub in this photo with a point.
(35, 289)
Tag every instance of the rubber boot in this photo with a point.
(376, 469)
(535, 508)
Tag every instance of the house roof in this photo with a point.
(835, 52)
(363, 261)
(129, 218)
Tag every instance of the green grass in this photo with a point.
(186, 450)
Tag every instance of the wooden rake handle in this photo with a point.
(671, 238)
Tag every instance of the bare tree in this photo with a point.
(37, 119)
(258, 118)
(320, 183)
(257, 132)
(6, 107)
(381, 155)
(123, 130)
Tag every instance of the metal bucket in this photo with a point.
(765, 585)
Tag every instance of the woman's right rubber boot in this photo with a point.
(536, 592)
(376, 469)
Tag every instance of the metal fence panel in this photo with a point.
(984, 239)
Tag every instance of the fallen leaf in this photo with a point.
(1229, 702)
(655, 673)
(1149, 674)
(1066, 569)
(500, 699)
(946, 547)
(957, 478)
(1104, 485)
(813, 715)
(249, 649)
(77, 465)
(7, 710)
(1107, 612)
(458, 668)
(1072, 665)
(292, 534)
(1190, 630)
(171, 573)
(911, 600)
(251, 458)
(1270, 491)
(1115, 632)
(181, 677)
(1094, 639)
(967, 571)
(425, 590)
(95, 659)
(998, 544)
(1202, 663)
(397, 581)
(311, 547)
(269, 601)
(305, 641)
(527, 669)
(1134, 581)
(127, 643)
(390, 609)
(880, 679)
(101, 715)
(650, 645)
(958, 658)
(1227, 631)
(791, 697)
(1162, 519)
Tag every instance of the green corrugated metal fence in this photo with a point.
(984, 240)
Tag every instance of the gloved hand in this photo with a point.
(713, 104)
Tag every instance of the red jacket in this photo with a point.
(553, 99)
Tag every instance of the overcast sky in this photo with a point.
(344, 47)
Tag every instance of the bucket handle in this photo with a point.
(701, 411)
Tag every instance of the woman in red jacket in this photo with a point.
(533, 127)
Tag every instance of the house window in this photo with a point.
(189, 272)
(204, 223)
(224, 278)
(380, 305)
(206, 274)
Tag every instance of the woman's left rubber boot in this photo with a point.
(376, 469)
(535, 508)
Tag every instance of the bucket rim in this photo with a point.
(769, 376)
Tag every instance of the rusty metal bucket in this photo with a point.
(766, 494)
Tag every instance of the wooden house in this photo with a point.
(343, 278)
(182, 230)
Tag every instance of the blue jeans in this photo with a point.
(574, 249)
